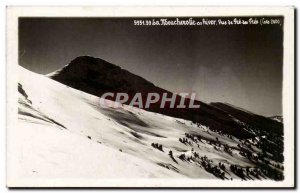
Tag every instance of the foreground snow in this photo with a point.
(64, 133)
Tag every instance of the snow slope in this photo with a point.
(64, 133)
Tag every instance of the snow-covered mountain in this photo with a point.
(96, 76)
(278, 118)
(65, 133)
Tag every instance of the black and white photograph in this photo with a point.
(150, 97)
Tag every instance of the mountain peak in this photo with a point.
(84, 64)
(96, 76)
(85, 61)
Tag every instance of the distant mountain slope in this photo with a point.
(264, 123)
(96, 76)
(277, 118)
(260, 126)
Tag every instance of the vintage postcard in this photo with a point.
(150, 97)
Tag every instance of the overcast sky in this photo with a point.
(240, 65)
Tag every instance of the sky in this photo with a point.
(236, 64)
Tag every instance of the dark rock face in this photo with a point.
(96, 76)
